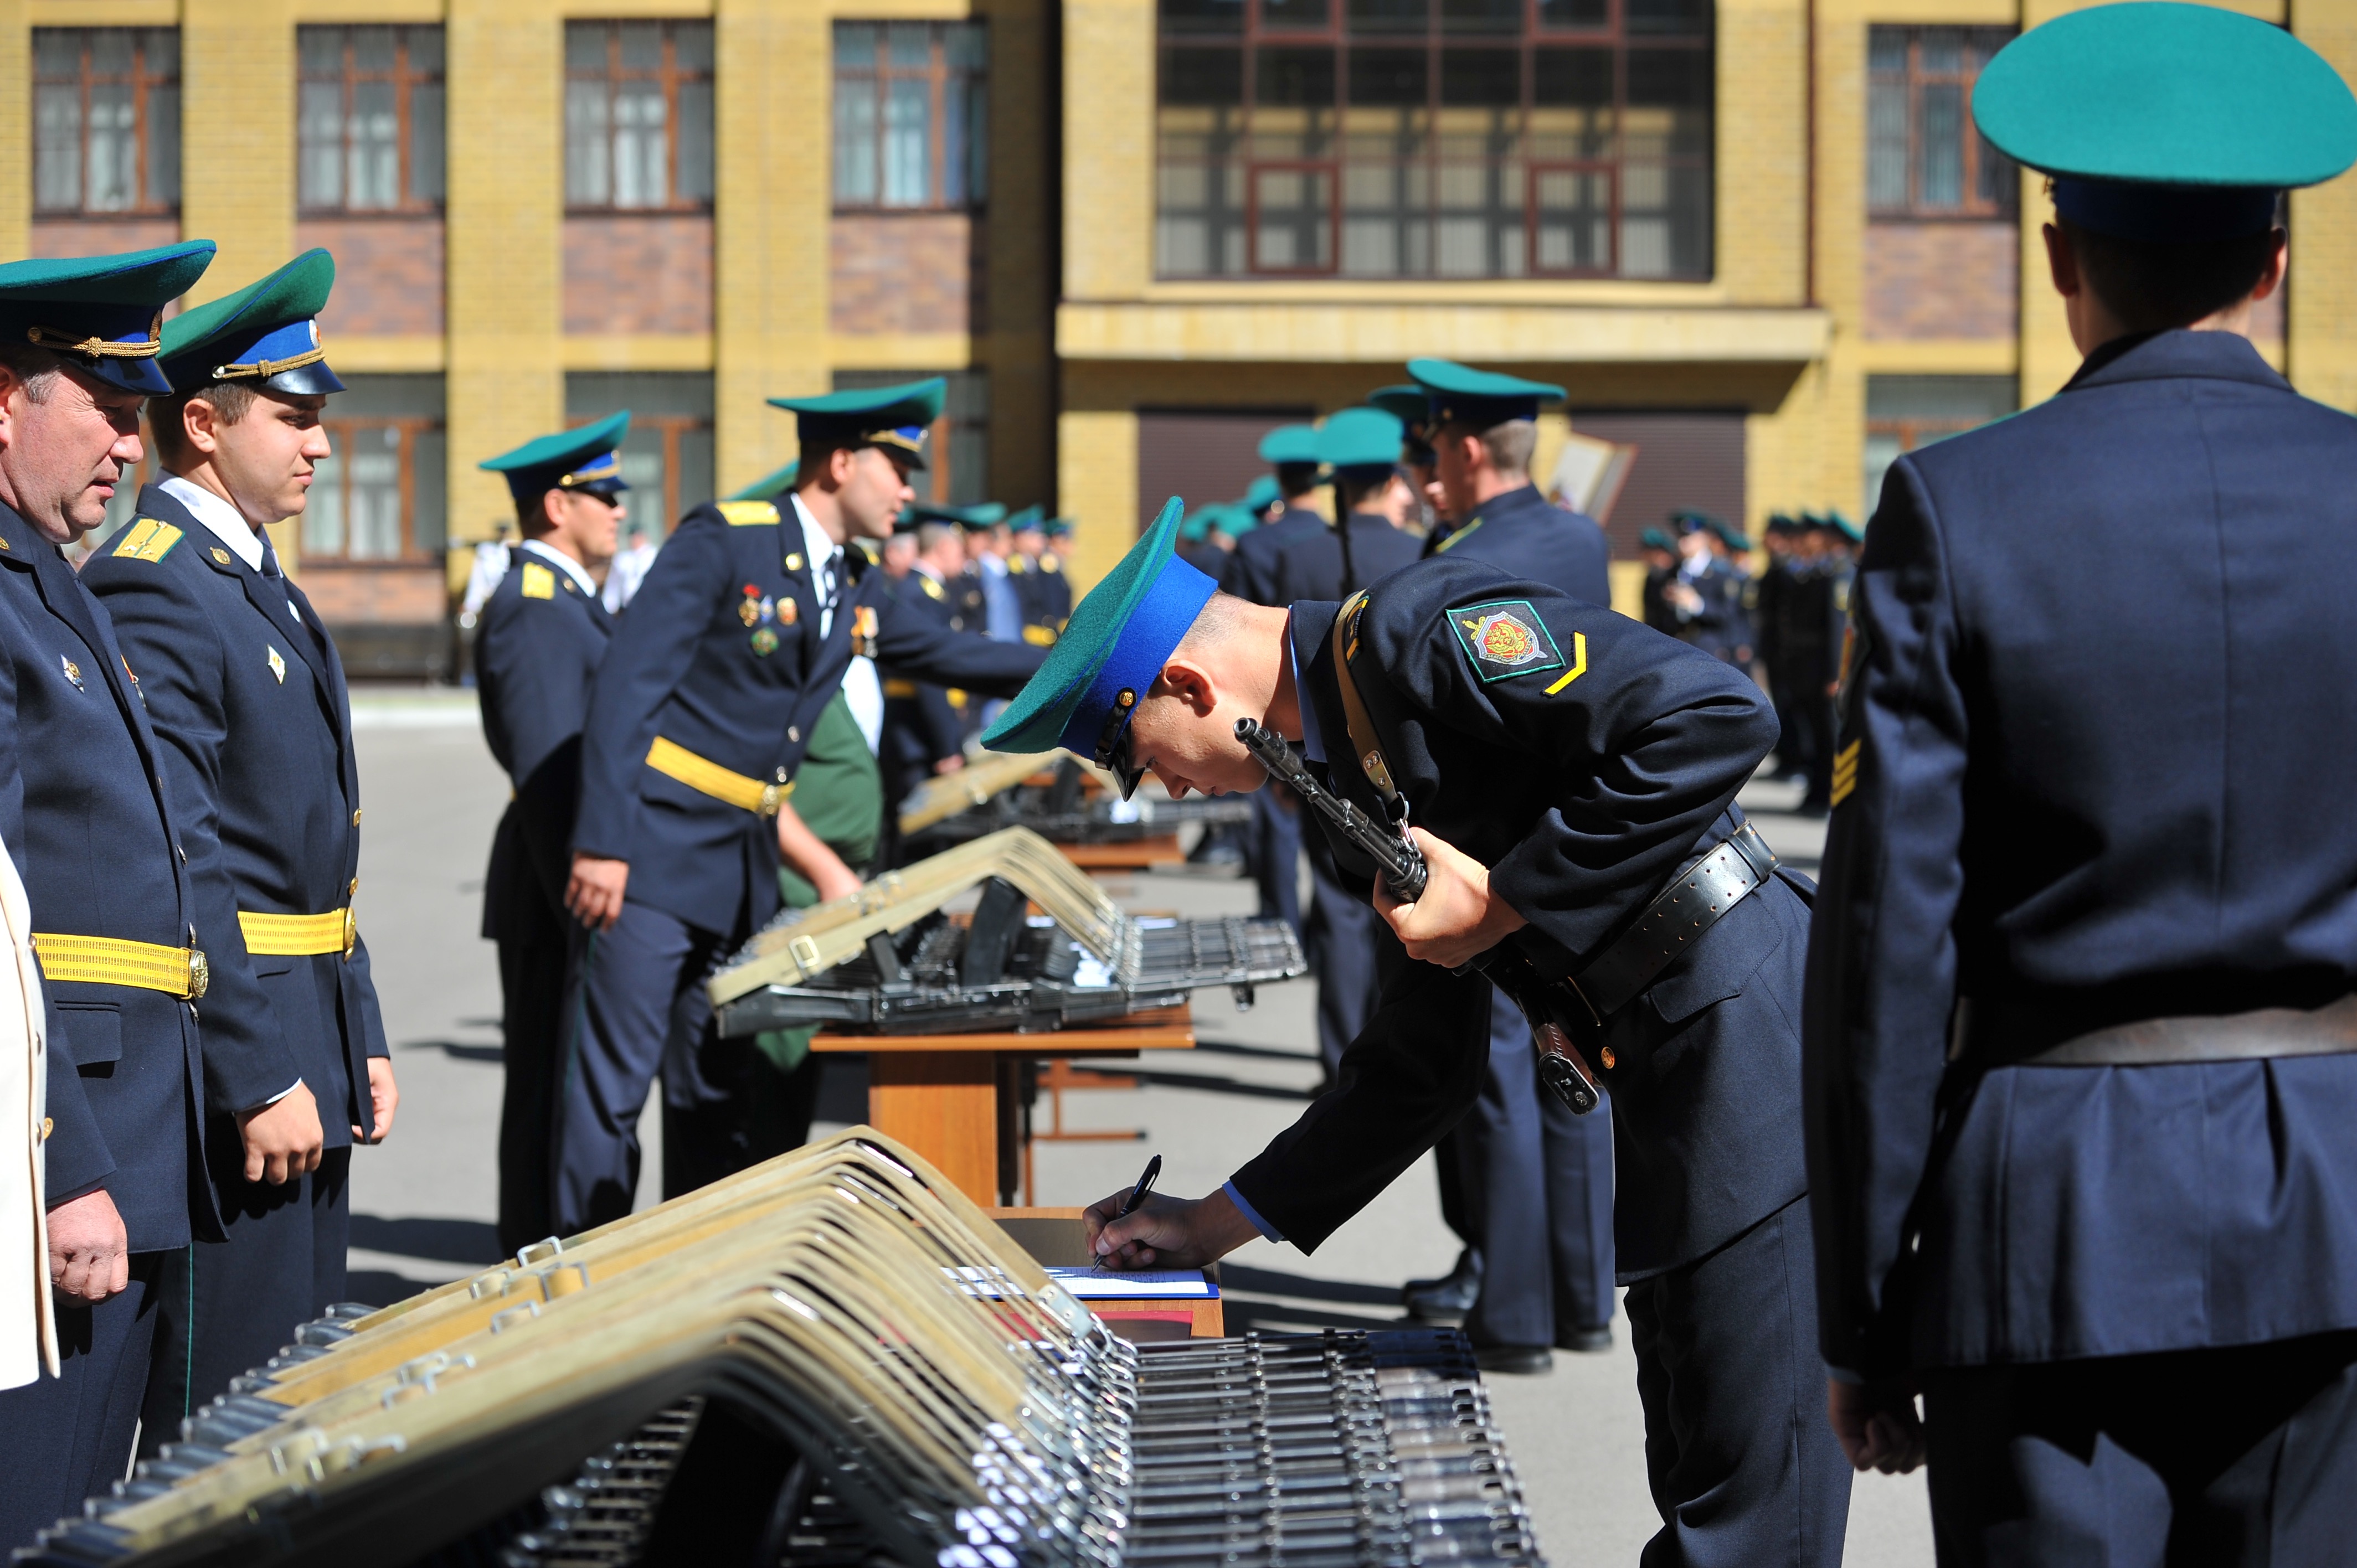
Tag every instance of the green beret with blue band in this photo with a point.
(1290, 446)
(105, 314)
(265, 335)
(1258, 495)
(1361, 439)
(1655, 539)
(588, 458)
(1110, 655)
(894, 418)
(1057, 528)
(2166, 123)
(770, 485)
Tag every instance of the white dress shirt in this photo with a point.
(862, 692)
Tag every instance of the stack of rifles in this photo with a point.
(834, 1358)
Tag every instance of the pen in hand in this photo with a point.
(1138, 1194)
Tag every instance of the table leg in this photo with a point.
(944, 1105)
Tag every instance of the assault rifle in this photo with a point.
(1563, 1066)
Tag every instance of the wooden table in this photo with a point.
(953, 1098)
(1132, 855)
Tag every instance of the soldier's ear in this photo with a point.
(1187, 682)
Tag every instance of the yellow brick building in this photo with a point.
(1756, 239)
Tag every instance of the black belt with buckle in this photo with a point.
(1694, 901)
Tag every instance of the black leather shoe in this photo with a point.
(1588, 1341)
(1448, 1298)
(1514, 1360)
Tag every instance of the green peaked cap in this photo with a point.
(266, 333)
(582, 459)
(2164, 93)
(770, 485)
(894, 417)
(1289, 443)
(104, 313)
(1361, 438)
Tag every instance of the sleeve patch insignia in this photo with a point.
(1505, 638)
(146, 540)
(539, 582)
(1845, 770)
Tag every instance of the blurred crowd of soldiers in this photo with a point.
(1784, 624)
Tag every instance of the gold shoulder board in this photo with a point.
(748, 514)
(539, 582)
(146, 540)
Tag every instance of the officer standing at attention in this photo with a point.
(923, 732)
(1484, 427)
(1361, 449)
(1564, 772)
(1537, 1185)
(1273, 855)
(1040, 582)
(121, 919)
(2082, 1015)
(541, 638)
(1286, 515)
(740, 637)
(246, 691)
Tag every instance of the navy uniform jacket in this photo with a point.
(921, 728)
(1251, 565)
(87, 813)
(1311, 568)
(1045, 594)
(1584, 777)
(2093, 764)
(260, 758)
(685, 665)
(537, 647)
(1524, 535)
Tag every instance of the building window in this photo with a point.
(369, 119)
(957, 452)
(106, 120)
(1924, 158)
(379, 498)
(638, 115)
(1435, 138)
(667, 457)
(1903, 412)
(911, 115)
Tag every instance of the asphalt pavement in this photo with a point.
(423, 1203)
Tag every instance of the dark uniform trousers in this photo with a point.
(88, 811)
(722, 657)
(247, 694)
(1705, 1089)
(2127, 1289)
(1533, 1181)
(538, 647)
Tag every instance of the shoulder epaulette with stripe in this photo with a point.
(539, 582)
(748, 514)
(146, 540)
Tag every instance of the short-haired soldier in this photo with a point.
(247, 691)
(1565, 772)
(2082, 1014)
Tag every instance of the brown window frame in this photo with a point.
(937, 74)
(1533, 32)
(341, 436)
(1974, 44)
(142, 82)
(405, 80)
(672, 75)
